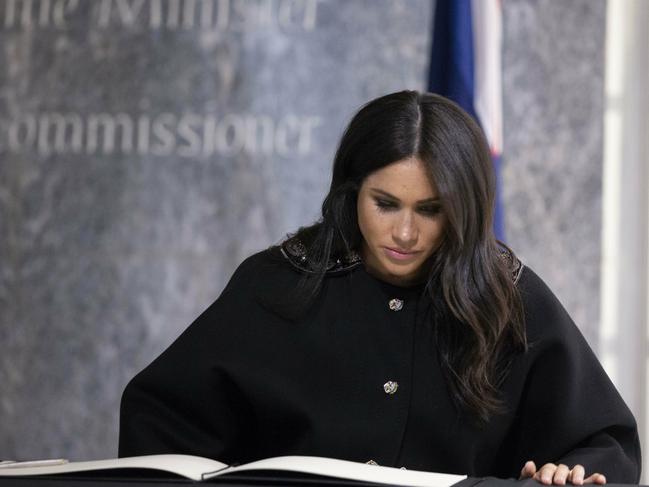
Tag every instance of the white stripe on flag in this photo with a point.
(487, 52)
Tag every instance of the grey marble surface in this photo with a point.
(553, 102)
(184, 145)
(144, 155)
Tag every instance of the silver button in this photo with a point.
(390, 387)
(395, 304)
(371, 462)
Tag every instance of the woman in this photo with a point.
(395, 330)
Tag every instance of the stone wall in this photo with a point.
(148, 146)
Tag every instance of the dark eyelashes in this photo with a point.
(431, 210)
(385, 205)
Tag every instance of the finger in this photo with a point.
(577, 475)
(528, 470)
(546, 473)
(561, 475)
(596, 478)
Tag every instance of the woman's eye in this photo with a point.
(430, 210)
(385, 205)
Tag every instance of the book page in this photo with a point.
(344, 469)
(188, 466)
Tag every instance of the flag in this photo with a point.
(466, 66)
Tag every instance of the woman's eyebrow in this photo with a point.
(435, 199)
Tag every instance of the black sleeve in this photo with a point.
(185, 401)
(569, 411)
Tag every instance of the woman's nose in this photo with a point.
(405, 231)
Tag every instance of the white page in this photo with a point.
(185, 465)
(344, 469)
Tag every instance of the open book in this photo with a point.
(199, 468)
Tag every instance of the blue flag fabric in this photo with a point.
(451, 62)
(452, 73)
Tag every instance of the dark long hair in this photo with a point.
(478, 315)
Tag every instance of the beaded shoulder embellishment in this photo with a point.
(513, 263)
(296, 253)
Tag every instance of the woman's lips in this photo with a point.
(399, 254)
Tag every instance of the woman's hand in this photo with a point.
(551, 473)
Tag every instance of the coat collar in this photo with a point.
(294, 250)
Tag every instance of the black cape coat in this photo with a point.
(357, 378)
